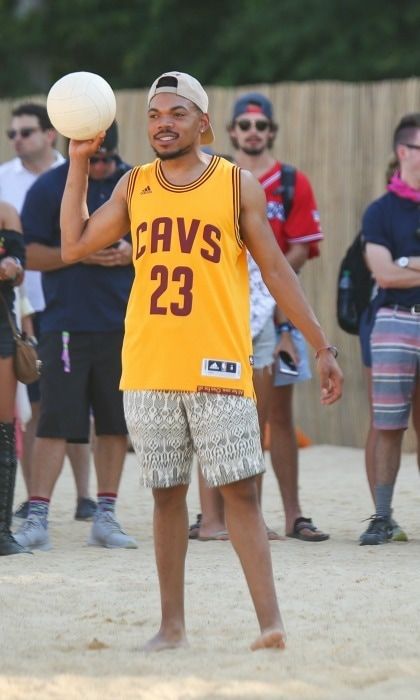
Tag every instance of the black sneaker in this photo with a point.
(22, 511)
(86, 509)
(378, 532)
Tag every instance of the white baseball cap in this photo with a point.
(186, 86)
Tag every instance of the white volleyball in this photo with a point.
(80, 105)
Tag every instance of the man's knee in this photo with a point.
(241, 492)
(171, 497)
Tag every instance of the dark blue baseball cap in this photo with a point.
(110, 142)
(254, 103)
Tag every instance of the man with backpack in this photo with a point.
(294, 219)
(391, 228)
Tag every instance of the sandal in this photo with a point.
(195, 528)
(301, 524)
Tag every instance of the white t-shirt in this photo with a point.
(15, 181)
(262, 303)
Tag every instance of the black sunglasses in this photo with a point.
(246, 124)
(413, 146)
(24, 133)
(101, 159)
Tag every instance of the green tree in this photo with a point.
(229, 42)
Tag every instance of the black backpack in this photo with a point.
(287, 187)
(354, 287)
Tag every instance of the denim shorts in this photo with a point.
(303, 366)
(263, 345)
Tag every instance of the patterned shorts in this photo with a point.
(166, 428)
(395, 343)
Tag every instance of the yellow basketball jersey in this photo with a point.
(187, 323)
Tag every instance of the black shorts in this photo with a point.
(91, 386)
(7, 343)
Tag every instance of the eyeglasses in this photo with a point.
(24, 133)
(246, 124)
(413, 146)
(101, 159)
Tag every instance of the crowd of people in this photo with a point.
(209, 261)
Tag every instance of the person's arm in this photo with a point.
(11, 266)
(283, 283)
(82, 235)
(297, 255)
(386, 272)
(43, 257)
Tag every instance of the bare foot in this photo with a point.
(273, 535)
(270, 639)
(164, 641)
(218, 535)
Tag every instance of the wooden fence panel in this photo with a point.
(340, 135)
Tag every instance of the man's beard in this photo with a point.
(253, 150)
(176, 154)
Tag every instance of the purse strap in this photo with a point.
(12, 324)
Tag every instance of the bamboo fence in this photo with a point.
(340, 135)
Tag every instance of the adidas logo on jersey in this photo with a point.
(221, 368)
(147, 190)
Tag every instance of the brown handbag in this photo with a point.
(26, 364)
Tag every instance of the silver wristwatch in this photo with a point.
(402, 262)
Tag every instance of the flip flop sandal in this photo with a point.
(301, 524)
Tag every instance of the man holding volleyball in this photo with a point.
(187, 354)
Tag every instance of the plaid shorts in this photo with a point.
(167, 427)
(395, 345)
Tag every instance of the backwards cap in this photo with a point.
(186, 86)
(254, 103)
(110, 142)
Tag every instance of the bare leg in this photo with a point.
(8, 390)
(109, 453)
(249, 538)
(79, 456)
(212, 511)
(371, 439)
(170, 524)
(48, 457)
(416, 418)
(284, 452)
(28, 445)
(263, 381)
(388, 456)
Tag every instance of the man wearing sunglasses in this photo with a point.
(298, 233)
(295, 224)
(80, 346)
(391, 229)
(33, 138)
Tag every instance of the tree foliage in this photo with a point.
(224, 42)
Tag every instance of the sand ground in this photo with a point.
(73, 619)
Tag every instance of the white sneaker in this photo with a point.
(33, 534)
(106, 532)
